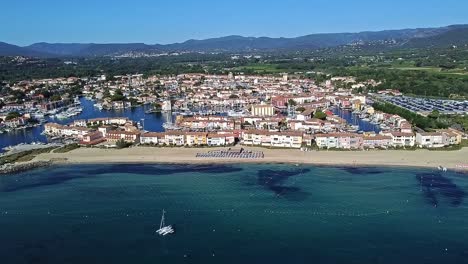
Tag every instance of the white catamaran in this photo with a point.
(163, 229)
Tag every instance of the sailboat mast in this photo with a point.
(162, 220)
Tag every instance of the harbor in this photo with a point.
(28, 135)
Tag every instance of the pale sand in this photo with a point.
(418, 158)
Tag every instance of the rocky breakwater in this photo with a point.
(19, 167)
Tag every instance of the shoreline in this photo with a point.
(150, 155)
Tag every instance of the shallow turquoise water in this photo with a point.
(233, 214)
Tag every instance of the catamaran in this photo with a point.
(163, 229)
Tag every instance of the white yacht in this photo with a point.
(98, 106)
(238, 113)
(61, 116)
(166, 106)
(163, 229)
(170, 126)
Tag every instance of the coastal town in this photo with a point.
(233, 132)
(274, 111)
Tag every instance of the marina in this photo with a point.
(359, 124)
(154, 122)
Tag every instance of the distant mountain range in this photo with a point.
(420, 37)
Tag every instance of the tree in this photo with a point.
(320, 115)
(300, 109)
(133, 101)
(157, 106)
(435, 114)
(55, 97)
(106, 93)
(118, 95)
(122, 144)
(291, 102)
(12, 115)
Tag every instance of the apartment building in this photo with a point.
(152, 138)
(272, 139)
(400, 139)
(430, 139)
(339, 140)
(377, 141)
(117, 135)
(196, 138)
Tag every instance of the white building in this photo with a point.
(430, 140)
(272, 139)
(216, 140)
(400, 139)
(152, 138)
(262, 110)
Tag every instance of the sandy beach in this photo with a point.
(418, 158)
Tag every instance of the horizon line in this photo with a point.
(237, 35)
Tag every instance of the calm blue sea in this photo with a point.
(152, 122)
(268, 213)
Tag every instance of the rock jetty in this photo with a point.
(19, 167)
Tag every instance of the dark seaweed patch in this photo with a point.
(362, 170)
(434, 184)
(27, 182)
(58, 176)
(274, 181)
(145, 169)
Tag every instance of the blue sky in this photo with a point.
(23, 22)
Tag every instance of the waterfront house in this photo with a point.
(230, 137)
(195, 138)
(104, 130)
(52, 128)
(13, 107)
(326, 141)
(400, 139)
(152, 138)
(109, 121)
(15, 122)
(451, 136)
(77, 132)
(339, 140)
(116, 135)
(405, 127)
(92, 138)
(61, 130)
(272, 138)
(80, 123)
(175, 138)
(430, 139)
(216, 140)
(377, 141)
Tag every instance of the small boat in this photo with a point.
(152, 111)
(170, 126)
(163, 229)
